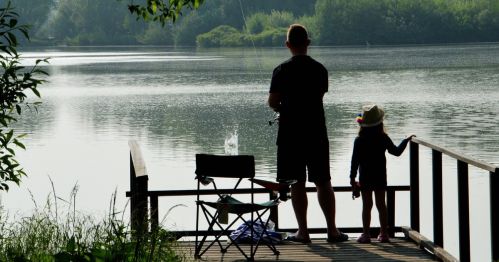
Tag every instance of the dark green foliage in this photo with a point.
(15, 80)
(156, 35)
(35, 13)
(330, 22)
(342, 22)
(95, 23)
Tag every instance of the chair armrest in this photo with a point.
(274, 186)
(205, 180)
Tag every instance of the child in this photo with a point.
(369, 157)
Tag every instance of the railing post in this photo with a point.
(133, 192)
(438, 220)
(414, 173)
(390, 199)
(494, 214)
(463, 211)
(142, 203)
(154, 212)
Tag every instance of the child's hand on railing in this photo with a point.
(410, 136)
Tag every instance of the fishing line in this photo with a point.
(252, 42)
(276, 115)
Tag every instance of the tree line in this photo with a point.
(264, 23)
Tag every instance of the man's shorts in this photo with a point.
(293, 160)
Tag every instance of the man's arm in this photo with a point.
(274, 101)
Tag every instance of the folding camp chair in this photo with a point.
(239, 167)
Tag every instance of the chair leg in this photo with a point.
(217, 238)
(269, 244)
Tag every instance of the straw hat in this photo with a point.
(371, 116)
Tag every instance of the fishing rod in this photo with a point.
(276, 115)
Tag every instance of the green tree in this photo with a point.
(34, 13)
(156, 35)
(95, 23)
(14, 82)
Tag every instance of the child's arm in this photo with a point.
(355, 161)
(397, 150)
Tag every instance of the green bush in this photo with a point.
(221, 36)
(269, 37)
(257, 22)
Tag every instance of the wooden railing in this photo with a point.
(144, 203)
(140, 206)
(462, 192)
(392, 229)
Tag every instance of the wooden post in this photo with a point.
(154, 212)
(390, 199)
(463, 211)
(138, 187)
(438, 218)
(494, 214)
(142, 203)
(414, 173)
(133, 192)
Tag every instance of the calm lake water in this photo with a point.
(177, 102)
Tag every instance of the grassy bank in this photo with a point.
(57, 231)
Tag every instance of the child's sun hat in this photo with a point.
(371, 115)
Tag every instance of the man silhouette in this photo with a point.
(296, 91)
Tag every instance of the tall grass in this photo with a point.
(55, 234)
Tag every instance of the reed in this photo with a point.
(59, 233)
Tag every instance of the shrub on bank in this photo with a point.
(271, 37)
(226, 36)
(223, 35)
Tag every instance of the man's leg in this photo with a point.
(300, 205)
(325, 195)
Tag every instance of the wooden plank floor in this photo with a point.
(398, 249)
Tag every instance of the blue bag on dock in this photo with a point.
(246, 233)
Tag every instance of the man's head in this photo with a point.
(297, 40)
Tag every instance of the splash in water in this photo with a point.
(231, 145)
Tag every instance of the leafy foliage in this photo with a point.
(15, 80)
(162, 10)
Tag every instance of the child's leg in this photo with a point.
(367, 205)
(381, 206)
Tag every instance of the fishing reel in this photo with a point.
(275, 118)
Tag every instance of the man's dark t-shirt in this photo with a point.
(301, 81)
(302, 137)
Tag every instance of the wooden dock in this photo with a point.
(414, 247)
(399, 249)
